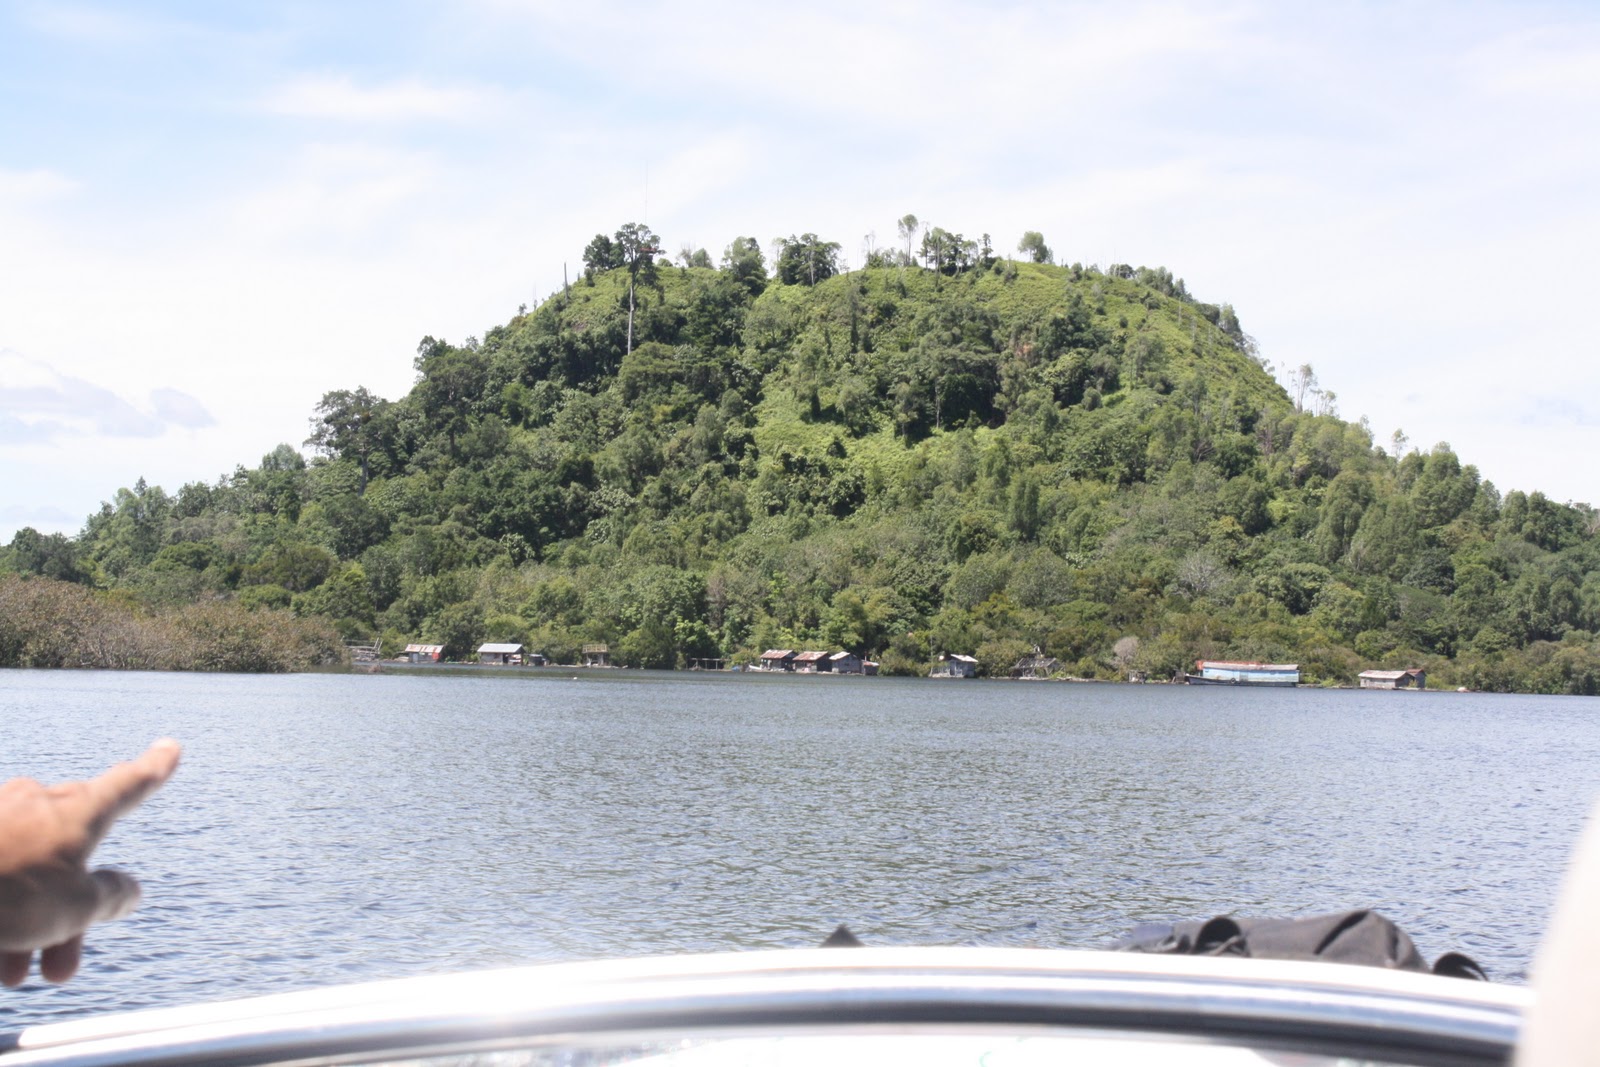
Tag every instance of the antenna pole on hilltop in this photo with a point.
(566, 289)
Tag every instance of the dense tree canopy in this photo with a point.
(807, 259)
(944, 451)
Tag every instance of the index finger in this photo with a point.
(124, 787)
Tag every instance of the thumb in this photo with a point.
(115, 894)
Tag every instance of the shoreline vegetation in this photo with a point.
(52, 624)
(948, 449)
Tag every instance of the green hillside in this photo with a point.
(952, 452)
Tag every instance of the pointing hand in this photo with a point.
(48, 894)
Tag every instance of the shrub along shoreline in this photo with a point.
(53, 624)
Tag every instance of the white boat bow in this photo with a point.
(926, 1005)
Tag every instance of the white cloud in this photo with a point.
(52, 519)
(340, 98)
(26, 188)
(1539, 62)
(122, 32)
(177, 408)
(85, 23)
(15, 431)
(329, 189)
(967, 74)
(39, 405)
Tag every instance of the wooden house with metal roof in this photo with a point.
(777, 659)
(1414, 678)
(844, 663)
(811, 663)
(955, 665)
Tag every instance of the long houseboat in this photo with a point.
(1237, 672)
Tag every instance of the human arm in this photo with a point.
(48, 894)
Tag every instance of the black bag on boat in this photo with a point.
(1361, 936)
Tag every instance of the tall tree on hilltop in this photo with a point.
(451, 380)
(1302, 380)
(935, 248)
(602, 254)
(349, 423)
(743, 263)
(1032, 245)
(946, 252)
(806, 259)
(637, 247)
(908, 236)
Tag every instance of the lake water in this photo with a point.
(331, 828)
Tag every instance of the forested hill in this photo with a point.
(946, 450)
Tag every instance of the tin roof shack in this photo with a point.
(596, 655)
(844, 663)
(812, 663)
(1037, 665)
(777, 659)
(424, 653)
(955, 665)
(503, 655)
(1415, 678)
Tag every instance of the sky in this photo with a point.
(212, 214)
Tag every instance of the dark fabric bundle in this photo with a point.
(1362, 937)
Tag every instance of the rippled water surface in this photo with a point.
(330, 828)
